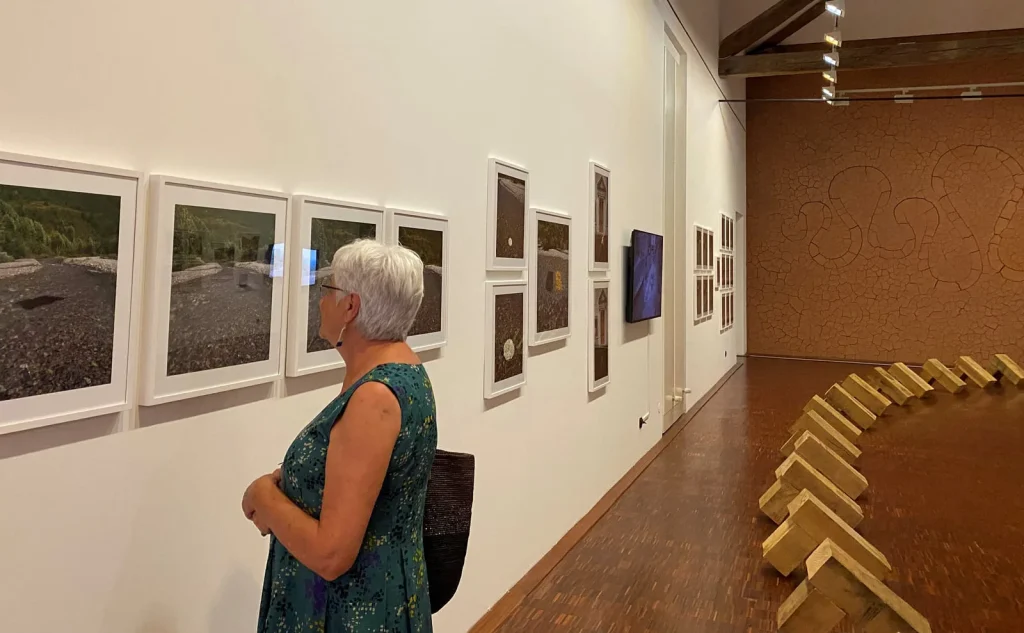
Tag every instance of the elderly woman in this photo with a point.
(345, 510)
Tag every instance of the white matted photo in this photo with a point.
(600, 248)
(505, 347)
(550, 266)
(508, 201)
(598, 367)
(427, 235)
(215, 288)
(319, 227)
(67, 290)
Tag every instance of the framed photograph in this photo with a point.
(319, 227)
(718, 272)
(67, 290)
(550, 266)
(508, 202)
(600, 247)
(215, 288)
(505, 368)
(427, 235)
(598, 370)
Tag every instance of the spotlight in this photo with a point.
(831, 58)
(835, 38)
(828, 93)
(831, 76)
(836, 7)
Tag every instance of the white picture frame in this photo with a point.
(599, 336)
(302, 280)
(600, 218)
(503, 186)
(37, 410)
(398, 219)
(166, 192)
(496, 384)
(553, 278)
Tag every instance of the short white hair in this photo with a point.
(389, 282)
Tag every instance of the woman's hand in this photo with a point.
(255, 493)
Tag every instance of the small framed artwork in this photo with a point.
(550, 266)
(505, 324)
(215, 288)
(69, 290)
(600, 247)
(508, 202)
(426, 234)
(718, 272)
(598, 369)
(319, 228)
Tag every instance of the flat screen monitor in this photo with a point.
(643, 301)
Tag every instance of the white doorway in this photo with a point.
(674, 278)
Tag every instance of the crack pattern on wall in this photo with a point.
(905, 241)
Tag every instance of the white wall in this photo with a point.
(141, 531)
(869, 19)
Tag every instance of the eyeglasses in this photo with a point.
(324, 287)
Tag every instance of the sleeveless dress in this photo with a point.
(386, 590)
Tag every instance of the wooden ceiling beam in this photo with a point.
(794, 26)
(866, 55)
(754, 32)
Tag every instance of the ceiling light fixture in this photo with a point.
(904, 97)
(831, 58)
(831, 76)
(835, 38)
(836, 7)
(972, 95)
(828, 92)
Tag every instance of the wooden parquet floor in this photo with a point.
(681, 549)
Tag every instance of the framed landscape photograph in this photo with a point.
(508, 202)
(600, 247)
(505, 324)
(597, 370)
(319, 228)
(427, 235)
(215, 288)
(67, 280)
(550, 265)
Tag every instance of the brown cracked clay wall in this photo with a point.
(886, 232)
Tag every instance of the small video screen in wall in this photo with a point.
(643, 301)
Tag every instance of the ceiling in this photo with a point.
(870, 19)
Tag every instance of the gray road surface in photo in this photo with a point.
(428, 319)
(552, 291)
(508, 325)
(56, 330)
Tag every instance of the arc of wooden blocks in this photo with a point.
(818, 405)
(887, 384)
(967, 366)
(935, 371)
(875, 402)
(917, 385)
(810, 523)
(831, 464)
(795, 475)
(841, 399)
(814, 424)
(836, 585)
(1006, 370)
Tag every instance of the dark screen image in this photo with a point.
(645, 277)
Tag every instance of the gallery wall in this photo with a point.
(885, 231)
(132, 522)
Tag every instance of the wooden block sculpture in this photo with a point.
(934, 371)
(917, 385)
(841, 399)
(838, 421)
(829, 463)
(866, 394)
(864, 598)
(967, 366)
(1005, 370)
(809, 525)
(807, 610)
(812, 422)
(795, 475)
(887, 384)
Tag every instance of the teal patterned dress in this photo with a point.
(386, 589)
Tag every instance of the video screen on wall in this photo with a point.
(643, 301)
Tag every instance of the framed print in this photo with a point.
(598, 367)
(508, 201)
(427, 235)
(215, 288)
(505, 314)
(550, 266)
(68, 290)
(704, 298)
(718, 272)
(600, 222)
(319, 227)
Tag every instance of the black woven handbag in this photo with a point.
(446, 520)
